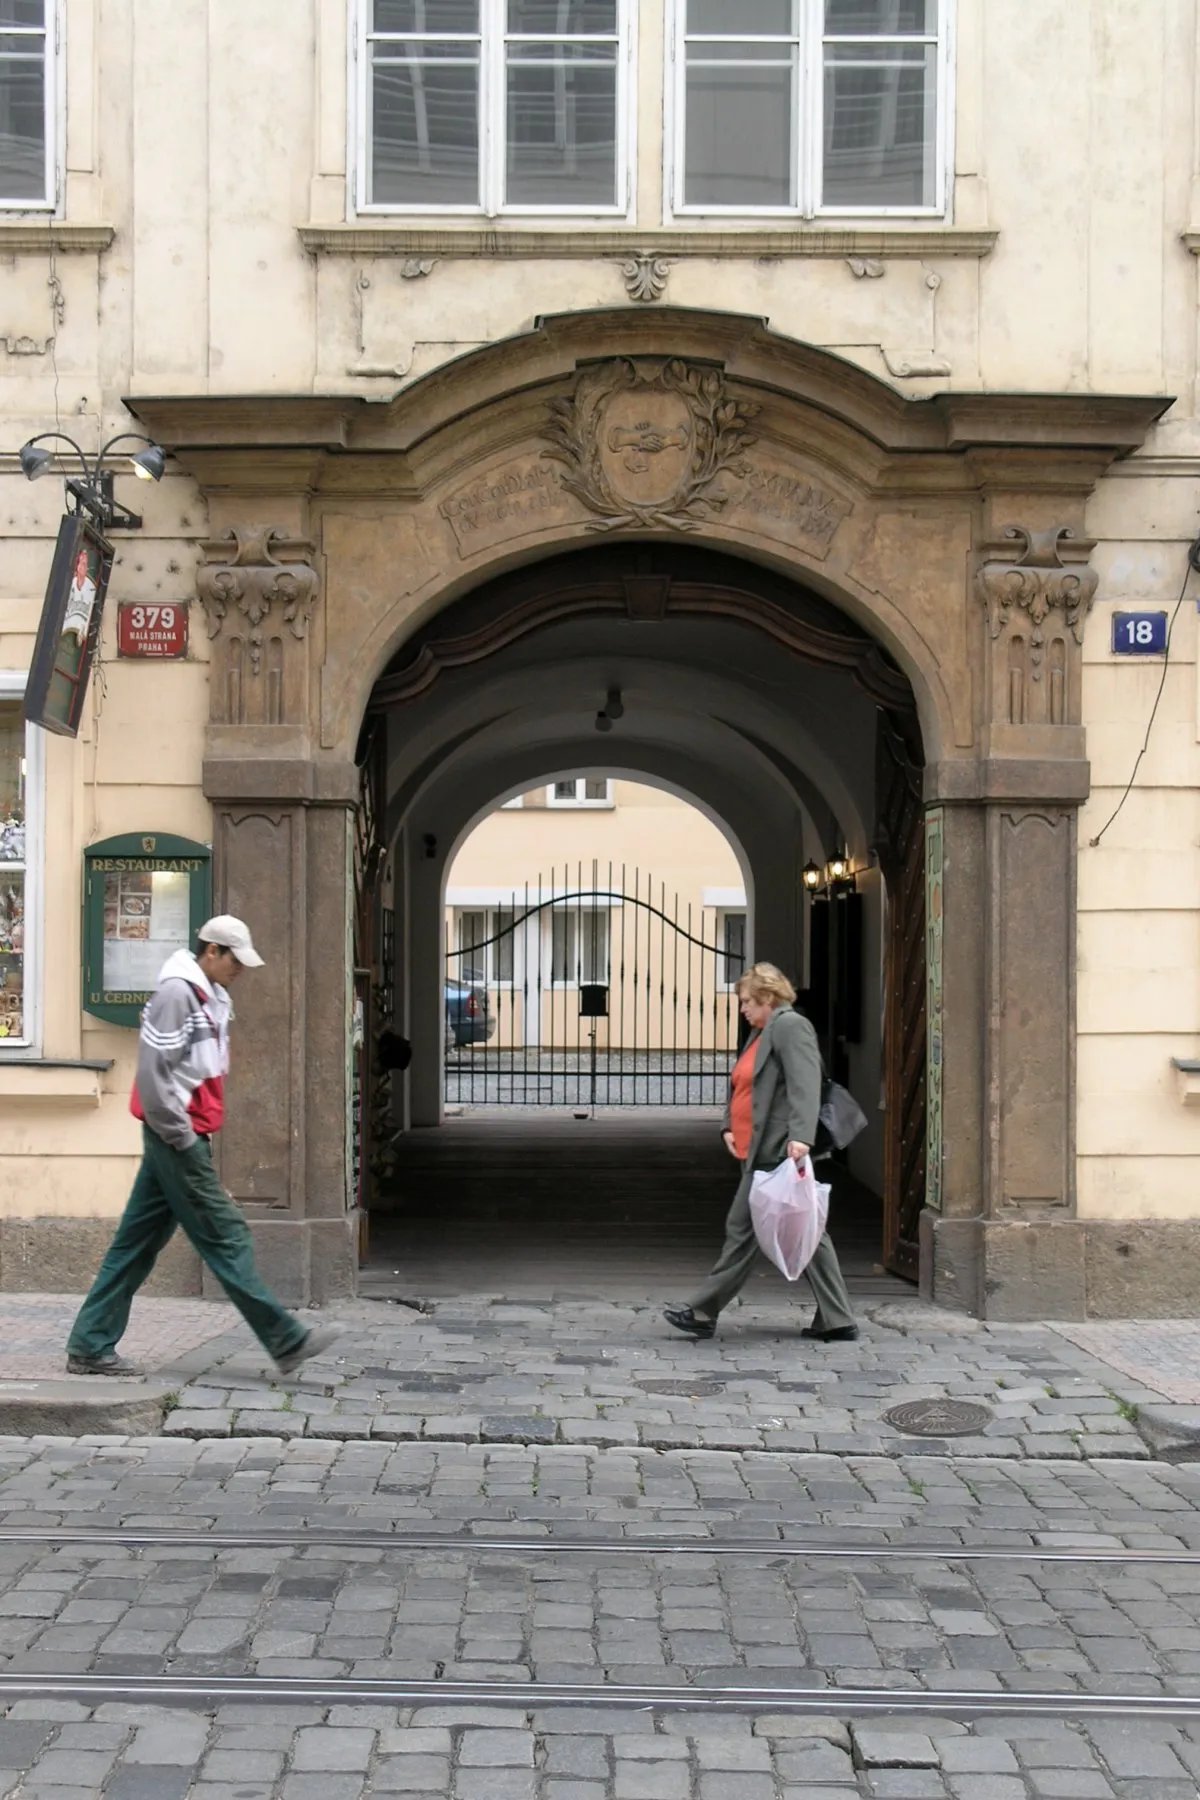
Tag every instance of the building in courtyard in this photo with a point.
(817, 376)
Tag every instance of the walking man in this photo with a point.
(183, 1057)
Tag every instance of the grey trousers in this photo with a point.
(732, 1268)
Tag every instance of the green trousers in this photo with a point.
(179, 1187)
(732, 1269)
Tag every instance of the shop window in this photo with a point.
(17, 870)
(579, 947)
(811, 106)
(27, 87)
(580, 792)
(493, 106)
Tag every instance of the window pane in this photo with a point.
(471, 965)
(750, 18)
(880, 126)
(23, 12)
(595, 790)
(886, 17)
(735, 947)
(23, 124)
(426, 15)
(595, 946)
(562, 128)
(739, 136)
(502, 947)
(425, 148)
(562, 947)
(564, 790)
(562, 18)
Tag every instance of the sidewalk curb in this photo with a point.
(1171, 1432)
(83, 1405)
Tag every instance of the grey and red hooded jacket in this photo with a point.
(183, 1055)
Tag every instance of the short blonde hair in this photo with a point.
(765, 982)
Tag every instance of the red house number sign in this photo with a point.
(151, 630)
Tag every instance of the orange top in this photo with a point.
(741, 1120)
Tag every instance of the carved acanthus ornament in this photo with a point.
(650, 443)
(645, 277)
(254, 581)
(1037, 584)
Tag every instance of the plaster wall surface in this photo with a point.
(220, 267)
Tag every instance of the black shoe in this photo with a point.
(843, 1334)
(684, 1319)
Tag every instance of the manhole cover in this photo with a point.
(939, 1418)
(694, 1390)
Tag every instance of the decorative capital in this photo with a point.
(650, 444)
(1037, 583)
(645, 276)
(254, 580)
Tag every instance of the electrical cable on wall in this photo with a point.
(1193, 563)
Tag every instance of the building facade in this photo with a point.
(825, 385)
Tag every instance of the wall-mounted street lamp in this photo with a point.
(92, 491)
(835, 876)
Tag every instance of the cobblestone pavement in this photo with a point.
(489, 1371)
(469, 1610)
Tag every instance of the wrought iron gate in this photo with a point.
(591, 987)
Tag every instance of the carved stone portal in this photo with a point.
(650, 444)
(1042, 604)
(267, 598)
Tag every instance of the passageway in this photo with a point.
(765, 706)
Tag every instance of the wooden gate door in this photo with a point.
(900, 841)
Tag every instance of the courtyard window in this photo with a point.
(494, 105)
(485, 944)
(581, 792)
(26, 100)
(731, 962)
(810, 106)
(579, 945)
(18, 865)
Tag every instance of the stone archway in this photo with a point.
(340, 528)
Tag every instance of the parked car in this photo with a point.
(469, 1018)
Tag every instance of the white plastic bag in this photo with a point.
(841, 1115)
(788, 1209)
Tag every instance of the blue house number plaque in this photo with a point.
(1139, 633)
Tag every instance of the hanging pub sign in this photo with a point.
(69, 632)
(144, 897)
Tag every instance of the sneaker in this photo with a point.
(316, 1341)
(102, 1365)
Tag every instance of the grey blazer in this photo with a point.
(786, 1094)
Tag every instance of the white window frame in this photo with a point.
(575, 912)
(55, 114)
(489, 978)
(810, 39)
(12, 687)
(492, 128)
(580, 803)
(724, 985)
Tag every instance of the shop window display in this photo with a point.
(12, 871)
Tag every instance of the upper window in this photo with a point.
(810, 106)
(580, 792)
(494, 105)
(26, 92)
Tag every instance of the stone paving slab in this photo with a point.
(34, 1327)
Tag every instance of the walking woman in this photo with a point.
(775, 1096)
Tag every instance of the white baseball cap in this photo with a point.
(231, 934)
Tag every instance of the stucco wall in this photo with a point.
(207, 132)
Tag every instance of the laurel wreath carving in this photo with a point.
(719, 441)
